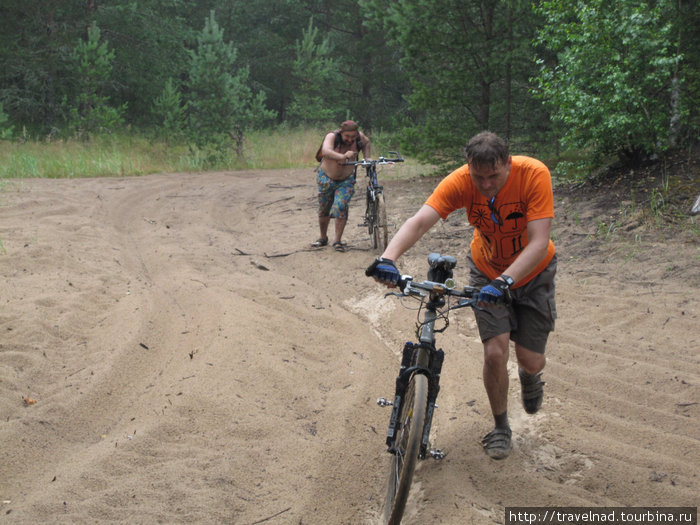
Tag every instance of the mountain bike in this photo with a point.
(418, 382)
(375, 210)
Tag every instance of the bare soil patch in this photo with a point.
(173, 351)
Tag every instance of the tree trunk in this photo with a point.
(509, 78)
(237, 136)
(675, 120)
(696, 207)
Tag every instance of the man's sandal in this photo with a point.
(338, 246)
(531, 386)
(497, 443)
(320, 242)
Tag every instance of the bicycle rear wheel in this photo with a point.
(407, 447)
(381, 228)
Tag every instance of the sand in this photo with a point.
(172, 350)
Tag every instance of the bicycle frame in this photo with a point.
(373, 189)
(420, 358)
(373, 183)
(418, 381)
(375, 208)
(423, 357)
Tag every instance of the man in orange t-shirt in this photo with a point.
(509, 201)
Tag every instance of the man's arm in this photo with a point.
(327, 149)
(411, 231)
(538, 232)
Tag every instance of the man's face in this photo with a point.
(490, 179)
(349, 136)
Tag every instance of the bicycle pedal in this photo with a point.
(383, 402)
(436, 453)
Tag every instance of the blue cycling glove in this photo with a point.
(383, 270)
(498, 291)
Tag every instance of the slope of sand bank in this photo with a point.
(172, 350)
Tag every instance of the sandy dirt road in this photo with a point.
(173, 351)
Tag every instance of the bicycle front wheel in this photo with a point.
(371, 217)
(407, 447)
(381, 228)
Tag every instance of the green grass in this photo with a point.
(281, 148)
(129, 155)
(111, 156)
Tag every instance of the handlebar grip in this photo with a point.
(403, 281)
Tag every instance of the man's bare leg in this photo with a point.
(496, 372)
(339, 229)
(323, 223)
(497, 442)
(530, 364)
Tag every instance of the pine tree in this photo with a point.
(90, 111)
(169, 111)
(221, 106)
(316, 97)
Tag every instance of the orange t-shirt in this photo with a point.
(526, 196)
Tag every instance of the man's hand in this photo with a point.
(498, 291)
(384, 271)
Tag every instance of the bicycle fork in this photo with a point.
(436, 359)
(370, 208)
(421, 358)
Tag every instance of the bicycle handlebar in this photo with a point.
(410, 287)
(468, 295)
(379, 161)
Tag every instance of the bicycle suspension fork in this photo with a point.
(417, 358)
(435, 359)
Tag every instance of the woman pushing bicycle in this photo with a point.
(336, 180)
(509, 201)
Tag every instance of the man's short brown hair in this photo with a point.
(486, 149)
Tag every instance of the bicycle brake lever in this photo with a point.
(471, 303)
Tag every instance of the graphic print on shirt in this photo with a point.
(503, 230)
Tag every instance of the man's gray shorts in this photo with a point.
(529, 318)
